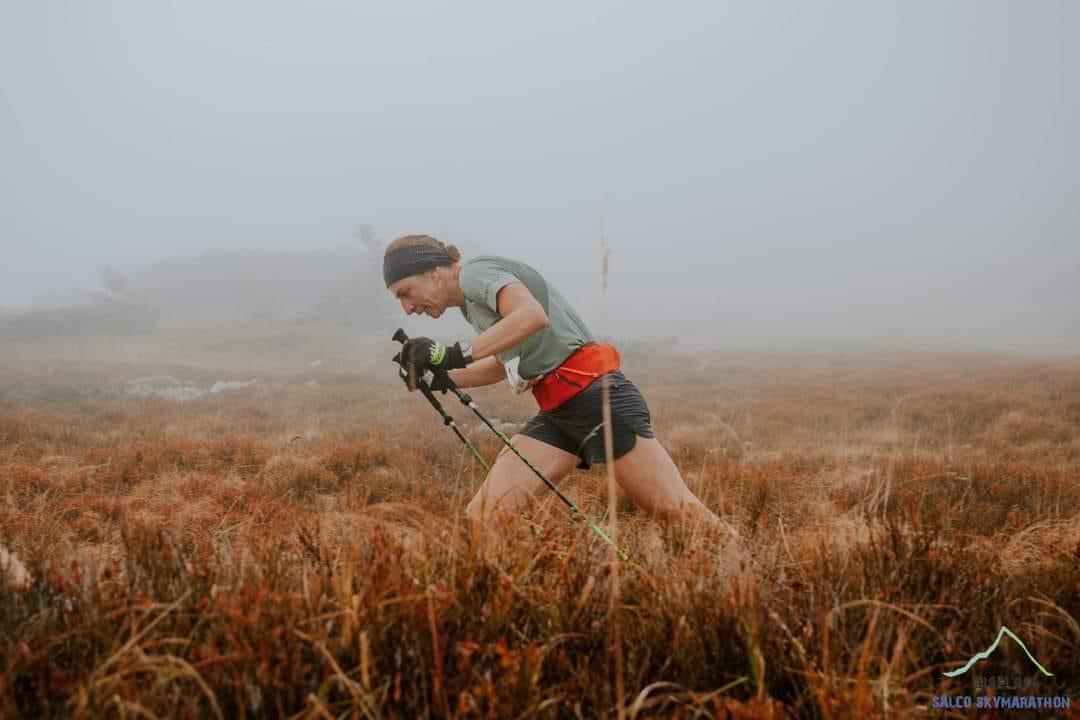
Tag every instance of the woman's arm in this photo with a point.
(521, 316)
(487, 371)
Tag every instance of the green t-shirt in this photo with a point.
(483, 276)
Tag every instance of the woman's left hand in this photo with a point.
(423, 353)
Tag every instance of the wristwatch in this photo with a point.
(466, 351)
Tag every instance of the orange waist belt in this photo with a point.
(588, 362)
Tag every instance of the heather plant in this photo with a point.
(295, 552)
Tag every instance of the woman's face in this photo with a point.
(420, 294)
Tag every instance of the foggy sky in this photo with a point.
(763, 172)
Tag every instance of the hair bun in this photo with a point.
(423, 241)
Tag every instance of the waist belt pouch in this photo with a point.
(587, 363)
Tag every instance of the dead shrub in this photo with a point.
(299, 478)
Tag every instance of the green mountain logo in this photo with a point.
(986, 653)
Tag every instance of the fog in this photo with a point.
(764, 174)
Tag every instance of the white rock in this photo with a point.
(181, 393)
(164, 386)
(150, 385)
(222, 386)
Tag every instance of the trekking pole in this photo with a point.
(468, 402)
(447, 420)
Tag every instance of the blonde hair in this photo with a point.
(409, 240)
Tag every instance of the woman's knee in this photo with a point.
(501, 493)
(666, 507)
(479, 508)
(511, 484)
(487, 513)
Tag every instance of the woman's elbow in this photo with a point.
(541, 321)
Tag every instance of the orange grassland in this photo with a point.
(298, 549)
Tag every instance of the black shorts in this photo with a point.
(577, 426)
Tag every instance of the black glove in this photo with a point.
(422, 353)
(434, 379)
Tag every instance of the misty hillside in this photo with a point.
(277, 307)
(340, 286)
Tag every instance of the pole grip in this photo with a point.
(401, 337)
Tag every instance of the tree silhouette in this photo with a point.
(112, 280)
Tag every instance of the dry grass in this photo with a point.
(291, 550)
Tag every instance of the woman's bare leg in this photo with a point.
(510, 485)
(649, 476)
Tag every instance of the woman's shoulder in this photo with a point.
(496, 263)
(483, 276)
(486, 265)
(488, 260)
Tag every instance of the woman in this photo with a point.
(529, 335)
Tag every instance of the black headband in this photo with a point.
(410, 260)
